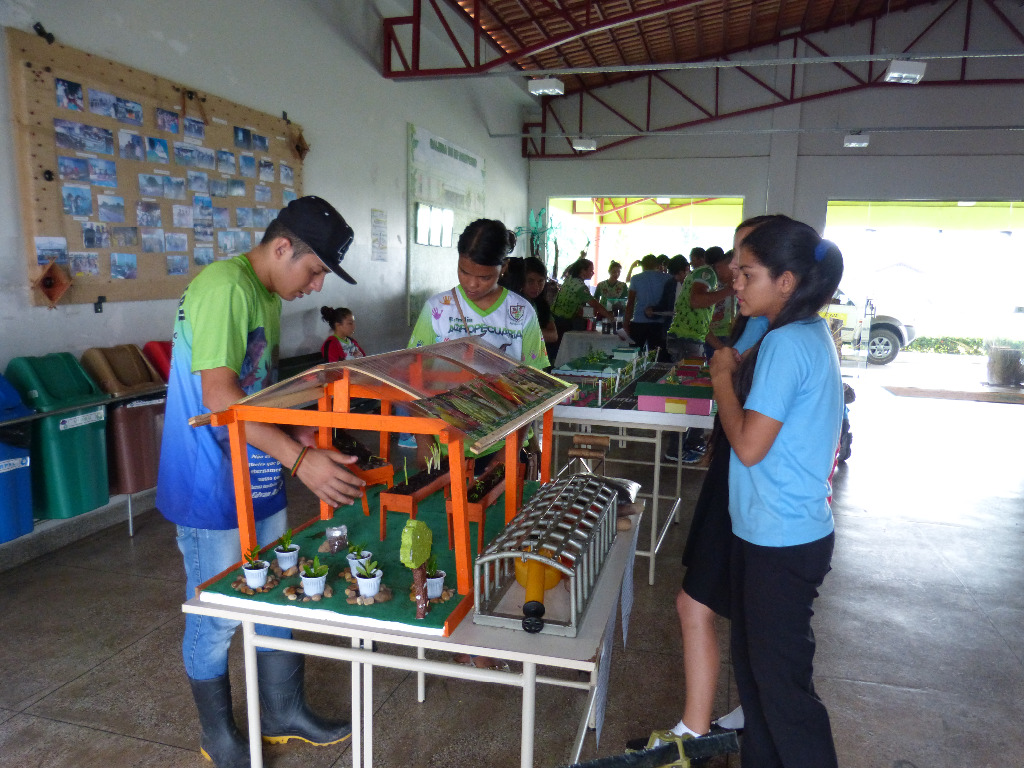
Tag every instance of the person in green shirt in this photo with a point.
(226, 346)
(574, 295)
(691, 320)
(611, 289)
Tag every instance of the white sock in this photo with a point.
(681, 730)
(732, 721)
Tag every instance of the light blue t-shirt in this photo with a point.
(752, 333)
(648, 287)
(783, 499)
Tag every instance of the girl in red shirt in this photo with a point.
(340, 345)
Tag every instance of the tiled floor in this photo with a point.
(920, 627)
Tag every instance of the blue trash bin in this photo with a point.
(15, 471)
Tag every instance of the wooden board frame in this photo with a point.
(35, 68)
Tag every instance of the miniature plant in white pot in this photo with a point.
(314, 577)
(435, 579)
(368, 577)
(357, 557)
(286, 552)
(255, 569)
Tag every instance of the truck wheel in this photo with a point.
(883, 346)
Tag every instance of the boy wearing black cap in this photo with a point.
(226, 338)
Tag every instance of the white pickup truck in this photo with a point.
(887, 335)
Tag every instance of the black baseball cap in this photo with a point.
(322, 228)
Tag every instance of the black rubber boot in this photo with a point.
(221, 742)
(284, 713)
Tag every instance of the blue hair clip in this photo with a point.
(821, 249)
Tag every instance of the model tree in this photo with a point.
(417, 540)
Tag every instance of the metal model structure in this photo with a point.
(564, 531)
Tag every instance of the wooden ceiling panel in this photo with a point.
(580, 33)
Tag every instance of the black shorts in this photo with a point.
(708, 544)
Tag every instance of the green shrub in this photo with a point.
(948, 345)
(1006, 343)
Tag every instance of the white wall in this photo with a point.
(800, 168)
(315, 59)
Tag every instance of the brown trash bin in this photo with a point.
(121, 370)
(135, 427)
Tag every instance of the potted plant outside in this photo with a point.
(287, 553)
(368, 578)
(255, 569)
(435, 579)
(314, 577)
(357, 557)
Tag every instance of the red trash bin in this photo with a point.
(159, 354)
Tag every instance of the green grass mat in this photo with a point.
(366, 531)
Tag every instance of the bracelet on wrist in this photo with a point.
(302, 455)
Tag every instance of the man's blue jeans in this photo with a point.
(206, 553)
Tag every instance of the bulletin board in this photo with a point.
(132, 183)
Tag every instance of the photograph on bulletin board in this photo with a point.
(136, 183)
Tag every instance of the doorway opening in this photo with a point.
(625, 229)
(945, 270)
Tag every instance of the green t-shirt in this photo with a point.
(607, 292)
(226, 319)
(572, 295)
(221, 300)
(687, 322)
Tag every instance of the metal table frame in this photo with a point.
(581, 653)
(628, 424)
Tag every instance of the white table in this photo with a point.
(638, 427)
(576, 344)
(581, 653)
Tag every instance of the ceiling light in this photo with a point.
(856, 140)
(546, 86)
(663, 200)
(966, 203)
(581, 144)
(906, 72)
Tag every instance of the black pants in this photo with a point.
(651, 334)
(773, 589)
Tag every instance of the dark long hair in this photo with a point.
(574, 269)
(514, 277)
(533, 265)
(486, 242)
(791, 246)
(334, 315)
(754, 221)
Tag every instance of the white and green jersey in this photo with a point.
(509, 325)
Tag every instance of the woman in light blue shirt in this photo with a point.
(781, 408)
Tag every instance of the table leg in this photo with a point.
(679, 469)
(357, 708)
(367, 714)
(421, 678)
(529, 713)
(655, 496)
(252, 693)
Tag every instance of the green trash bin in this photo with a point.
(69, 447)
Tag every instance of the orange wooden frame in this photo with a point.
(333, 412)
